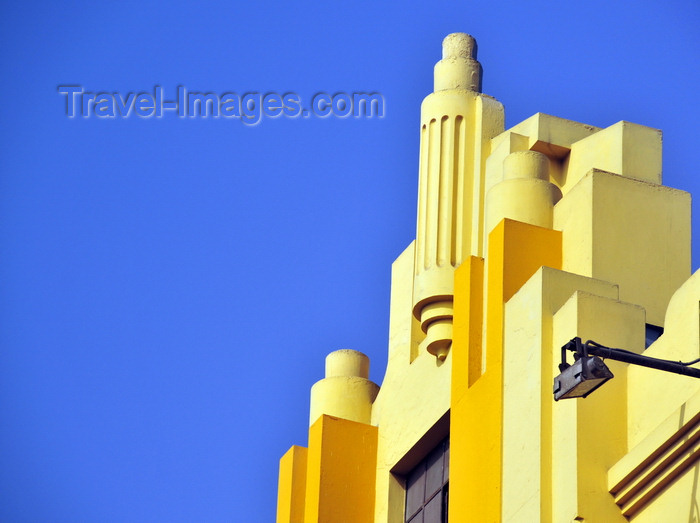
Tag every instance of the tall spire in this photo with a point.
(457, 123)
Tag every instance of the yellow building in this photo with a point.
(526, 238)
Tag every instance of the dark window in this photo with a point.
(427, 486)
(653, 333)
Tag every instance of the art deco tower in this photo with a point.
(457, 124)
(526, 238)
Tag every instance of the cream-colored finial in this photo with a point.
(458, 68)
(459, 45)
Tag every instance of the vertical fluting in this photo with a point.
(433, 187)
(421, 260)
(445, 206)
(455, 225)
(443, 213)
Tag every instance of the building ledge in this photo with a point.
(658, 460)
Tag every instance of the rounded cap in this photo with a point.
(459, 45)
(347, 362)
(526, 164)
(458, 68)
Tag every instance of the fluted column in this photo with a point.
(457, 122)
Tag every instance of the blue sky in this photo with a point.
(170, 287)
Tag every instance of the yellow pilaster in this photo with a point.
(529, 358)
(516, 251)
(469, 302)
(590, 435)
(340, 476)
(291, 488)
